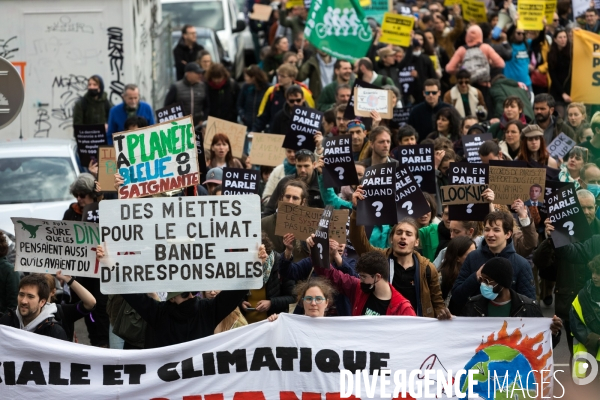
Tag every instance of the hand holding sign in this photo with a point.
(379, 187)
(319, 251)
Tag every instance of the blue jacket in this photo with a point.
(299, 271)
(466, 284)
(517, 68)
(118, 116)
(248, 103)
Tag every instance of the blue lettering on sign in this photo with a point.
(143, 172)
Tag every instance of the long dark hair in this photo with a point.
(260, 78)
(454, 118)
(555, 54)
(525, 154)
(449, 268)
(221, 137)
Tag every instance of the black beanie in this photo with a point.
(500, 270)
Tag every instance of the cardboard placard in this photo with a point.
(89, 138)
(236, 133)
(471, 145)
(304, 124)
(319, 253)
(45, 246)
(531, 15)
(169, 113)
(474, 10)
(396, 29)
(181, 244)
(510, 184)
(267, 149)
(410, 201)
(379, 205)
(560, 146)
(239, 181)
(157, 158)
(401, 115)
(367, 100)
(421, 163)
(260, 12)
(339, 167)
(349, 113)
(566, 215)
(302, 221)
(467, 174)
(462, 194)
(107, 168)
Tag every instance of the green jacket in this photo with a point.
(429, 240)
(91, 111)
(327, 96)
(9, 285)
(295, 23)
(310, 70)
(500, 90)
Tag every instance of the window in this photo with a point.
(207, 14)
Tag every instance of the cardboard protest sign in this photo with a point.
(462, 194)
(410, 201)
(301, 131)
(236, 133)
(474, 10)
(468, 174)
(510, 184)
(396, 29)
(420, 162)
(302, 221)
(239, 181)
(401, 115)
(531, 15)
(89, 138)
(157, 158)
(266, 149)
(168, 244)
(107, 168)
(560, 146)
(339, 167)
(319, 253)
(471, 145)
(169, 113)
(260, 12)
(367, 100)
(349, 113)
(45, 247)
(567, 217)
(378, 206)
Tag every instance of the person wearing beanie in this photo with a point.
(497, 299)
(94, 106)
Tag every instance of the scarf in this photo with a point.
(267, 267)
(217, 86)
(504, 121)
(288, 168)
(131, 112)
(47, 311)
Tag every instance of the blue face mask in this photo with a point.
(594, 188)
(487, 291)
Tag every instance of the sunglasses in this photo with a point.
(432, 93)
(295, 101)
(519, 33)
(80, 195)
(463, 82)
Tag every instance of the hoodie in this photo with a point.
(92, 110)
(474, 38)
(48, 311)
(44, 324)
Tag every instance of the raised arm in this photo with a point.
(88, 300)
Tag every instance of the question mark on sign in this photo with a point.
(379, 206)
(408, 206)
(301, 139)
(419, 179)
(320, 247)
(569, 226)
(340, 171)
(470, 208)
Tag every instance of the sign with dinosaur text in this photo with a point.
(157, 159)
(46, 246)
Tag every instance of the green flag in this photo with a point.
(338, 28)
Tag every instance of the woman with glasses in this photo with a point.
(570, 169)
(559, 63)
(464, 97)
(447, 123)
(315, 294)
(84, 191)
(533, 147)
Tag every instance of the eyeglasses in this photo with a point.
(431, 93)
(295, 101)
(519, 33)
(80, 195)
(310, 299)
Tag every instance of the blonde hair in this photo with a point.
(580, 107)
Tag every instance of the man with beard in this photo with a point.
(364, 72)
(294, 97)
(381, 141)
(553, 125)
(341, 123)
(360, 145)
(305, 171)
(570, 276)
(343, 76)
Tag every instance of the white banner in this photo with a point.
(295, 357)
(181, 244)
(46, 246)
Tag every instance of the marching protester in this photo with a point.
(533, 147)
(221, 154)
(288, 167)
(316, 294)
(94, 107)
(421, 115)
(251, 94)
(190, 91)
(543, 107)
(343, 76)
(221, 93)
(570, 170)
(464, 97)
(511, 144)
(576, 119)
(186, 50)
(131, 106)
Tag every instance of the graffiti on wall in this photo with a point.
(8, 47)
(116, 59)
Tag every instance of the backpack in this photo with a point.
(477, 64)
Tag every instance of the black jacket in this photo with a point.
(283, 119)
(278, 290)
(222, 103)
(183, 53)
(49, 327)
(73, 213)
(421, 118)
(192, 98)
(314, 194)
(520, 307)
(193, 319)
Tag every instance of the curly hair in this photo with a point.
(322, 283)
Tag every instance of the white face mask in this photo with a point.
(417, 53)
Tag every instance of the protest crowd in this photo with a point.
(469, 183)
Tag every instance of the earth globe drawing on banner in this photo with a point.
(512, 360)
(372, 100)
